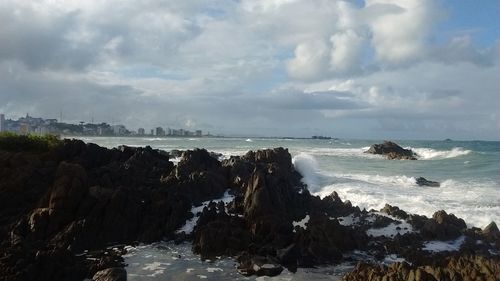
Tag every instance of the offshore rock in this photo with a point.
(424, 182)
(392, 151)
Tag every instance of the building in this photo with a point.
(2, 123)
(160, 131)
(198, 133)
(141, 131)
(119, 130)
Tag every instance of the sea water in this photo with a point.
(469, 173)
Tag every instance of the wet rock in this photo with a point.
(218, 234)
(111, 274)
(392, 151)
(424, 182)
(258, 265)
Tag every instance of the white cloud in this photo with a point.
(254, 63)
(346, 51)
(310, 61)
(400, 36)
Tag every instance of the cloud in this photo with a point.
(400, 36)
(364, 69)
(310, 61)
(346, 51)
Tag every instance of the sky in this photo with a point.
(373, 69)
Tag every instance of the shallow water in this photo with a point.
(166, 261)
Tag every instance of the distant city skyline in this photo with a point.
(41, 126)
(371, 69)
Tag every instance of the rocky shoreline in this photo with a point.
(63, 209)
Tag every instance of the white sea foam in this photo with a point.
(191, 223)
(307, 166)
(341, 152)
(441, 246)
(301, 223)
(391, 230)
(429, 153)
(393, 259)
(348, 220)
(464, 198)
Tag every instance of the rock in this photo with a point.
(491, 232)
(258, 265)
(69, 188)
(394, 211)
(84, 197)
(443, 226)
(392, 151)
(111, 274)
(218, 234)
(449, 268)
(424, 182)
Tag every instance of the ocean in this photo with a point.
(469, 173)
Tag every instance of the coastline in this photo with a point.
(117, 181)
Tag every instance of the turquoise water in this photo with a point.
(469, 171)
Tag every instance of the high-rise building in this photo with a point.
(2, 123)
(160, 131)
(141, 131)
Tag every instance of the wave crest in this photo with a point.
(429, 153)
(308, 167)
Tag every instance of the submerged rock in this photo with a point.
(392, 151)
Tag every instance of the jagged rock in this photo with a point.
(218, 234)
(443, 226)
(394, 211)
(491, 232)
(111, 274)
(392, 151)
(83, 197)
(335, 207)
(451, 268)
(424, 182)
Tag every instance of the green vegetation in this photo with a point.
(34, 143)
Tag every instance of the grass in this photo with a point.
(33, 143)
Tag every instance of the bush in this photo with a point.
(35, 143)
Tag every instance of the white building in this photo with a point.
(2, 123)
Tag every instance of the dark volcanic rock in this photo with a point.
(392, 151)
(443, 226)
(424, 182)
(82, 198)
(491, 233)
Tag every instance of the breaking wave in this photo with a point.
(429, 153)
